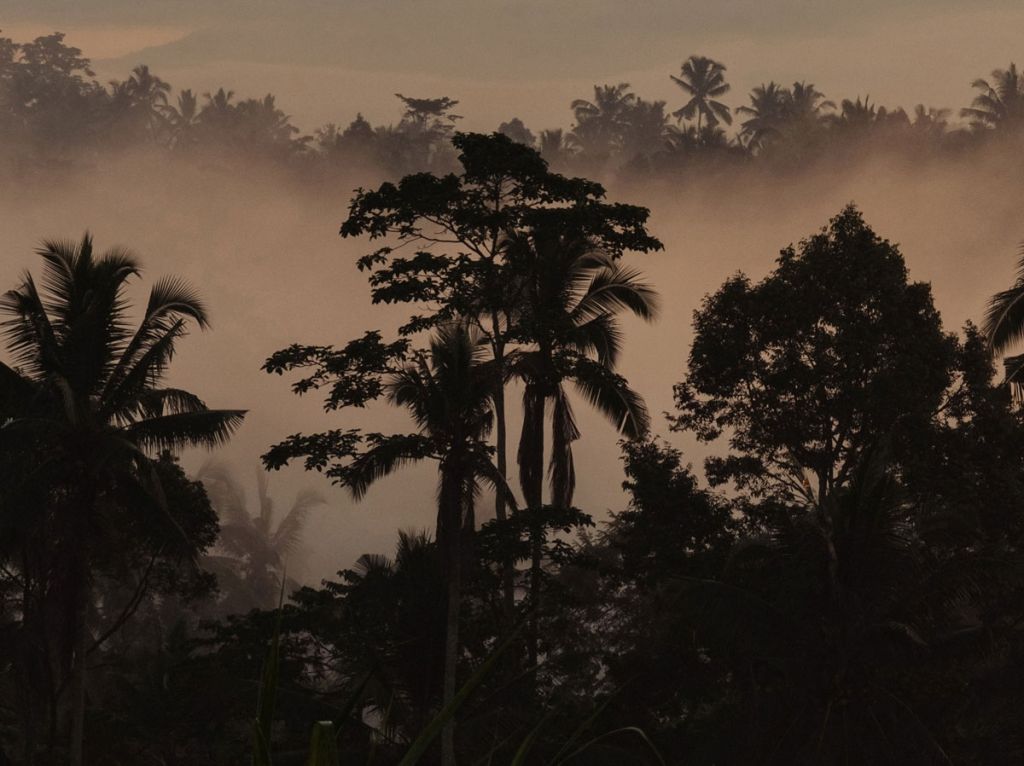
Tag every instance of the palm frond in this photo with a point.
(613, 397)
(485, 471)
(1004, 317)
(31, 338)
(564, 432)
(530, 455)
(618, 288)
(174, 297)
(289, 530)
(129, 378)
(226, 492)
(599, 335)
(208, 428)
(386, 456)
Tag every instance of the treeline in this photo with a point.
(53, 112)
(844, 588)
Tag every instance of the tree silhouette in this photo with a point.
(518, 132)
(768, 110)
(449, 391)
(703, 80)
(1004, 325)
(571, 294)
(809, 367)
(140, 102)
(254, 540)
(838, 624)
(600, 123)
(182, 121)
(460, 223)
(97, 407)
(645, 131)
(555, 147)
(1000, 103)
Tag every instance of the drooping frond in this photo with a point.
(174, 297)
(171, 301)
(30, 335)
(614, 289)
(128, 382)
(387, 455)
(613, 397)
(207, 428)
(487, 472)
(600, 336)
(226, 493)
(1004, 317)
(530, 455)
(155, 402)
(289, 529)
(561, 469)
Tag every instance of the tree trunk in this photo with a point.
(451, 660)
(450, 518)
(77, 745)
(501, 450)
(535, 501)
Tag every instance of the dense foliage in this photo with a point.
(841, 584)
(54, 114)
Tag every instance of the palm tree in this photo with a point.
(1000, 102)
(449, 392)
(645, 130)
(571, 296)
(768, 110)
(600, 123)
(391, 629)
(555, 146)
(98, 408)
(806, 103)
(929, 122)
(252, 539)
(218, 115)
(141, 99)
(856, 114)
(703, 80)
(182, 120)
(1004, 325)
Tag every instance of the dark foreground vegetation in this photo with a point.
(841, 585)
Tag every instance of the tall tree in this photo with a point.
(571, 295)
(808, 368)
(94, 403)
(703, 80)
(461, 225)
(449, 392)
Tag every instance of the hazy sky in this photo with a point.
(268, 257)
(327, 59)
